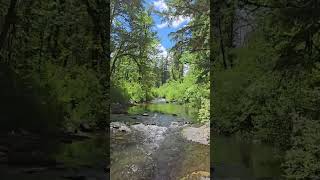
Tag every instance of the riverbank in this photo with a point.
(198, 134)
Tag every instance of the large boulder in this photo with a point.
(198, 134)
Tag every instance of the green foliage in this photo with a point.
(184, 91)
(188, 91)
(302, 160)
(269, 88)
(172, 91)
(118, 94)
(231, 97)
(135, 91)
(76, 89)
(59, 49)
(204, 111)
(133, 45)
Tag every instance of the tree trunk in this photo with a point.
(222, 44)
(9, 20)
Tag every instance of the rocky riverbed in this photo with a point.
(158, 146)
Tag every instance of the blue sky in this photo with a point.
(163, 28)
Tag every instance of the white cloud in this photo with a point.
(163, 25)
(176, 22)
(160, 5)
(180, 20)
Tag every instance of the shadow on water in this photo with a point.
(234, 158)
(55, 160)
(88, 153)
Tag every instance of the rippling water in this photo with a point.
(233, 158)
(173, 158)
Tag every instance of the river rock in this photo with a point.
(145, 114)
(200, 135)
(118, 126)
(125, 129)
(174, 124)
(159, 101)
(134, 168)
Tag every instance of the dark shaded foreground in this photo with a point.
(31, 156)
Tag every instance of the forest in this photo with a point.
(55, 64)
(249, 67)
(265, 77)
(141, 71)
(160, 72)
(54, 59)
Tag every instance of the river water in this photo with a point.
(149, 153)
(53, 159)
(176, 158)
(238, 159)
(154, 150)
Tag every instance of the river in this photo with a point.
(176, 158)
(32, 157)
(155, 148)
(238, 159)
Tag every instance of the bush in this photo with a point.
(186, 90)
(135, 91)
(204, 111)
(302, 160)
(76, 89)
(118, 94)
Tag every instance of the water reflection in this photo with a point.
(236, 158)
(55, 160)
(90, 152)
(177, 109)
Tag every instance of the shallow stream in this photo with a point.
(177, 158)
(149, 153)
